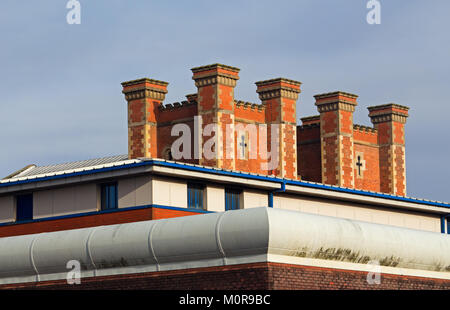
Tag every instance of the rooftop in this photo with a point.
(35, 173)
(33, 170)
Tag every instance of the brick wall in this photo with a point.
(75, 222)
(151, 122)
(258, 276)
(367, 158)
(144, 97)
(309, 157)
(389, 120)
(327, 148)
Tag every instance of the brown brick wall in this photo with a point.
(315, 278)
(370, 173)
(177, 113)
(328, 155)
(258, 276)
(308, 153)
(165, 141)
(250, 164)
(118, 217)
(249, 114)
(214, 103)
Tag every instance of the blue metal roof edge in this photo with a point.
(154, 162)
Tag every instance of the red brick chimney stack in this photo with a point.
(215, 97)
(336, 131)
(390, 120)
(280, 99)
(143, 97)
(327, 148)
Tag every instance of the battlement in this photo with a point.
(365, 129)
(176, 105)
(311, 120)
(327, 148)
(192, 98)
(308, 126)
(249, 105)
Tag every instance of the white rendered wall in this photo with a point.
(215, 198)
(254, 199)
(66, 200)
(367, 213)
(169, 192)
(134, 192)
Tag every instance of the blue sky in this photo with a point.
(60, 93)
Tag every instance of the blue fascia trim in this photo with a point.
(369, 194)
(52, 218)
(298, 183)
(291, 182)
(235, 174)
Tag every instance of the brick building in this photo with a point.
(333, 200)
(328, 148)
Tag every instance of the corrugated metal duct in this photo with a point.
(217, 239)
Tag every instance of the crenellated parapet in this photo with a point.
(249, 106)
(328, 148)
(364, 129)
(312, 121)
(176, 105)
(192, 98)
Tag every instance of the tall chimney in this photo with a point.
(390, 120)
(215, 97)
(280, 99)
(336, 132)
(143, 96)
